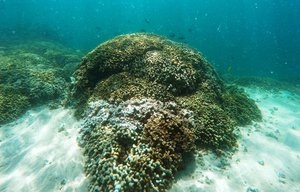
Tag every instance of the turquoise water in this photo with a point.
(250, 37)
(146, 111)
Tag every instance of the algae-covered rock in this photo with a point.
(147, 101)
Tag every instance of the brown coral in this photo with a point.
(170, 135)
(149, 100)
(176, 66)
(136, 145)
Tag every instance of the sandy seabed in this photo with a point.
(268, 157)
(39, 152)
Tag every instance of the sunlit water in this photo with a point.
(39, 152)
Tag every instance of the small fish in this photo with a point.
(172, 35)
(219, 28)
(190, 30)
(147, 21)
(181, 38)
(142, 30)
(229, 68)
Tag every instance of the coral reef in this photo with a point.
(147, 101)
(43, 85)
(12, 104)
(213, 127)
(136, 145)
(122, 86)
(217, 114)
(154, 57)
(239, 107)
(36, 72)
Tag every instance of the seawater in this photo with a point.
(252, 43)
(247, 37)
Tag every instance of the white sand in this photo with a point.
(39, 152)
(268, 158)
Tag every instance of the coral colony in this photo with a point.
(33, 73)
(146, 102)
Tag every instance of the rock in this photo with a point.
(281, 177)
(252, 189)
(261, 162)
(63, 182)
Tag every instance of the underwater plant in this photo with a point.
(146, 102)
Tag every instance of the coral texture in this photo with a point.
(135, 145)
(147, 101)
(34, 72)
(154, 57)
(12, 104)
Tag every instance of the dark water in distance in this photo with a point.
(240, 37)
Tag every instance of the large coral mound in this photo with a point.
(147, 101)
(178, 67)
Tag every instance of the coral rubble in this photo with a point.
(146, 101)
